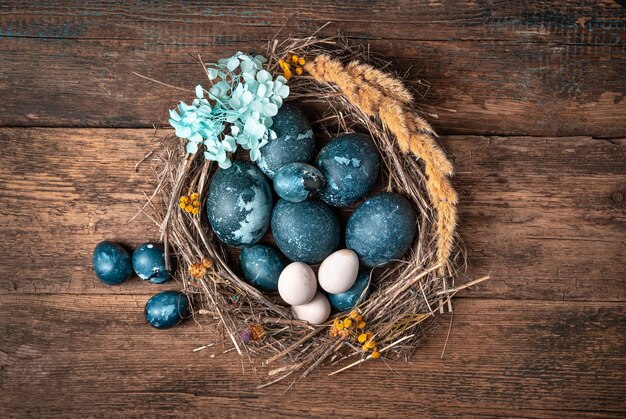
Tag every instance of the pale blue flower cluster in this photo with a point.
(237, 109)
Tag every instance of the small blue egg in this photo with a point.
(149, 263)
(350, 165)
(296, 182)
(306, 231)
(381, 229)
(239, 205)
(347, 300)
(111, 263)
(166, 309)
(293, 143)
(261, 266)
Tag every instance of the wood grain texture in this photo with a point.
(512, 68)
(534, 85)
(546, 221)
(95, 355)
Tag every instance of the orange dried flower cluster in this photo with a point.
(190, 203)
(198, 270)
(252, 332)
(295, 61)
(353, 325)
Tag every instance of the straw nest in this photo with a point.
(348, 89)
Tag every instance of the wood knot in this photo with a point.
(617, 196)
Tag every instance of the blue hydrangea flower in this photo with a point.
(243, 97)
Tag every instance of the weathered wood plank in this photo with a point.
(95, 355)
(505, 67)
(544, 216)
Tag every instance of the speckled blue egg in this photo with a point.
(149, 263)
(111, 263)
(381, 229)
(296, 182)
(293, 143)
(350, 165)
(261, 266)
(306, 231)
(347, 300)
(239, 205)
(166, 309)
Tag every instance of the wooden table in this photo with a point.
(532, 107)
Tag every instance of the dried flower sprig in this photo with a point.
(237, 110)
(198, 270)
(252, 333)
(297, 61)
(190, 203)
(351, 326)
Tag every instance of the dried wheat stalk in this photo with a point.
(378, 95)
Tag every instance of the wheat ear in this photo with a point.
(378, 95)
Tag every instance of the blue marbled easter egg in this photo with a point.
(111, 263)
(293, 143)
(306, 231)
(381, 229)
(149, 263)
(296, 182)
(350, 165)
(261, 266)
(239, 204)
(166, 309)
(347, 300)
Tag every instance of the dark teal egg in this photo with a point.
(381, 229)
(111, 263)
(306, 231)
(293, 143)
(239, 205)
(166, 309)
(296, 182)
(350, 165)
(149, 263)
(347, 300)
(261, 266)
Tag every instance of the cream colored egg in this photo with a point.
(338, 271)
(315, 311)
(297, 283)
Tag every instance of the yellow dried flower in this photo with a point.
(195, 211)
(339, 326)
(361, 325)
(344, 333)
(207, 263)
(197, 270)
(362, 337)
(288, 74)
(333, 332)
(294, 59)
(299, 71)
(369, 345)
(189, 208)
(184, 199)
(182, 205)
(375, 354)
(301, 61)
(347, 322)
(194, 196)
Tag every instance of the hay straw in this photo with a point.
(406, 293)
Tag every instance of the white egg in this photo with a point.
(315, 311)
(297, 284)
(338, 271)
